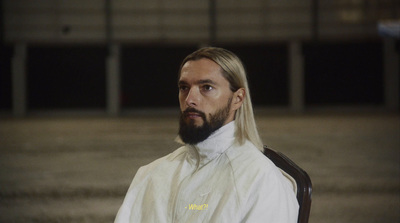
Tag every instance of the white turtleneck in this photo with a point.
(213, 181)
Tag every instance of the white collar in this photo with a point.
(215, 144)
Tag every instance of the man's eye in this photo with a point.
(207, 87)
(183, 88)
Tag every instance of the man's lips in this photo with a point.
(193, 115)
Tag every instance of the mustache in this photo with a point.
(193, 110)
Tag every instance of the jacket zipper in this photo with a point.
(184, 182)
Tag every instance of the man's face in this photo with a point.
(206, 101)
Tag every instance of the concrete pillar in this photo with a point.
(296, 77)
(18, 73)
(391, 74)
(113, 80)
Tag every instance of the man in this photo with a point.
(219, 174)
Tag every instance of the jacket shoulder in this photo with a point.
(251, 168)
(248, 157)
(162, 162)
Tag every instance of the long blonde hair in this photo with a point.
(235, 73)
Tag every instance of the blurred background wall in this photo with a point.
(119, 55)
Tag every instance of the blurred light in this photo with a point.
(389, 28)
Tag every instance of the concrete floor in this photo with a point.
(77, 169)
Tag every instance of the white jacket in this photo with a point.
(214, 181)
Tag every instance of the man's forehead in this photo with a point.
(200, 70)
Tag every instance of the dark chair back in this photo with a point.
(303, 181)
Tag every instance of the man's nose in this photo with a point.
(193, 97)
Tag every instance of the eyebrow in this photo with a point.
(205, 81)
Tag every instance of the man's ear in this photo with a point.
(238, 98)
